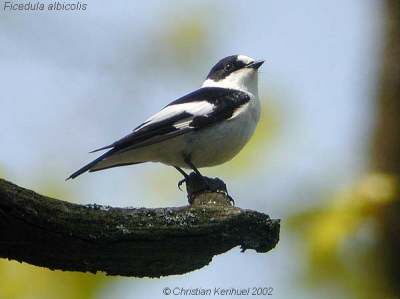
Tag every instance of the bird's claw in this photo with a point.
(180, 183)
(231, 200)
(196, 183)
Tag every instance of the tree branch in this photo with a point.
(123, 241)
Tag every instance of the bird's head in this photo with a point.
(235, 72)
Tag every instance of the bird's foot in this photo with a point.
(196, 183)
(180, 183)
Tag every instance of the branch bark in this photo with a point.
(124, 241)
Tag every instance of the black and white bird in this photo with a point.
(206, 127)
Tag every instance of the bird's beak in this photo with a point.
(255, 64)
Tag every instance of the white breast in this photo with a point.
(220, 143)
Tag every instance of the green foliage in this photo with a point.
(30, 282)
(347, 242)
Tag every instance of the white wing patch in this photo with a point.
(183, 124)
(194, 108)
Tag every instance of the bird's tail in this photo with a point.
(90, 165)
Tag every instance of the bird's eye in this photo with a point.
(228, 67)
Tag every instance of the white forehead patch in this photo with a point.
(245, 59)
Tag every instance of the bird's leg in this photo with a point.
(196, 171)
(196, 182)
(185, 175)
(191, 165)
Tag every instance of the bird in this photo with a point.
(204, 128)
